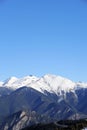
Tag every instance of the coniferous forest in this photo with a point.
(61, 125)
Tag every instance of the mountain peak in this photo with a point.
(10, 81)
(49, 82)
(15, 83)
(58, 83)
(56, 76)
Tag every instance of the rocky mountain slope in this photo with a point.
(51, 97)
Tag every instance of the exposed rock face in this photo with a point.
(44, 99)
(19, 120)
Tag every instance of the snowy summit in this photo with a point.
(50, 83)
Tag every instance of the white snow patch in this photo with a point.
(50, 83)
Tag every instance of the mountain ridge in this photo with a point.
(48, 82)
(50, 96)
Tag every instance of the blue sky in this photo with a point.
(43, 36)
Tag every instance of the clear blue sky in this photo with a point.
(43, 36)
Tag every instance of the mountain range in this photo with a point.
(32, 100)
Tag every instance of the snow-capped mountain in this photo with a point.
(52, 96)
(50, 83)
(53, 84)
(15, 83)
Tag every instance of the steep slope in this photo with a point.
(53, 84)
(15, 83)
(82, 102)
(52, 96)
(22, 119)
(28, 98)
(50, 83)
(5, 91)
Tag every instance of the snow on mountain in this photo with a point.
(1, 83)
(15, 83)
(53, 84)
(50, 83)
(10, 81)
(81, 85)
